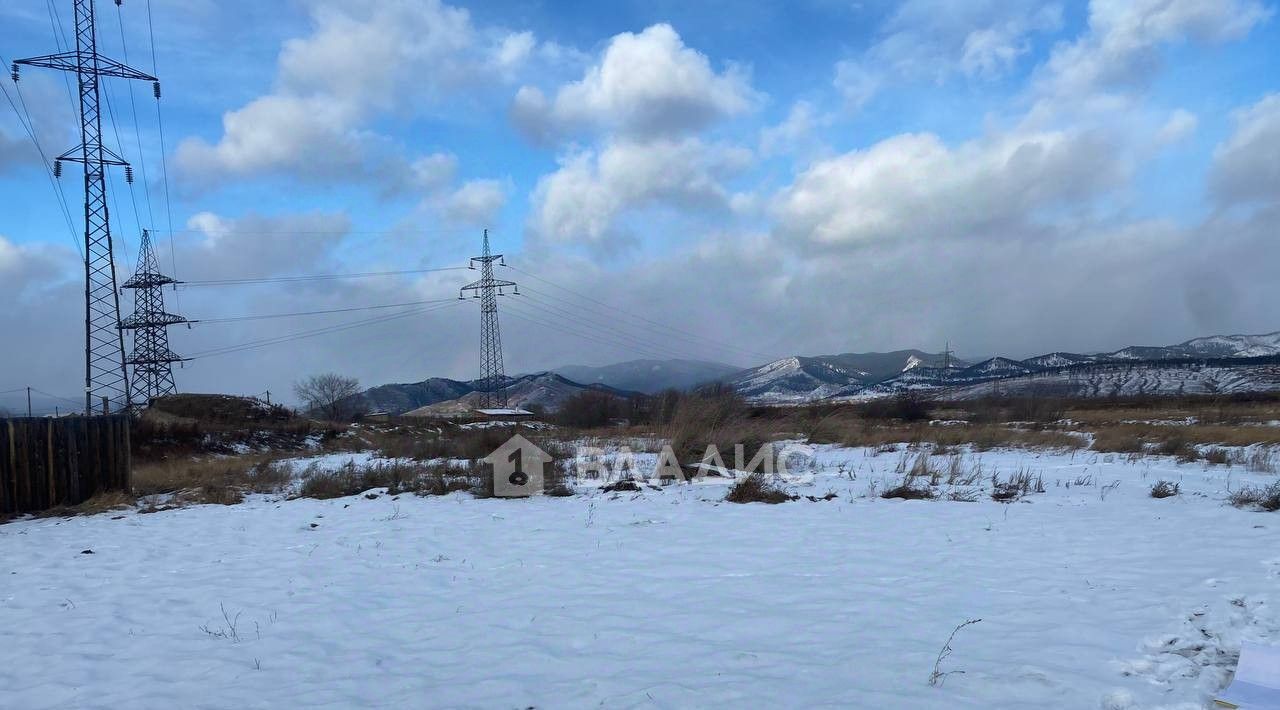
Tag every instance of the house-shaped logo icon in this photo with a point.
(517, 468)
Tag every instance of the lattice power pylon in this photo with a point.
(106, 375)
(152, 360)
(487, 289)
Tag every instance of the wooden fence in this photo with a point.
(50, 462)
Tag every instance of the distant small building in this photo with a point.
(380, 415)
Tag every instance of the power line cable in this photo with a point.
(316, 277)
(301, 335)
(597, 302)
(578, 318)
(239, 319)
(570, 330)
(164, 158)
(29, 127)
(137, 129)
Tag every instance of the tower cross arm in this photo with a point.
(71, 61)
(491, 283)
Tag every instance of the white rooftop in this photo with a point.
(505, 412)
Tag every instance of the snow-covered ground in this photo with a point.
(1093, 595)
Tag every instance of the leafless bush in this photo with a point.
(907, 489)
(757, 488)
(905, 407)
(1019, 484)
(716, 417)
(395, 477)
(1165, 489)
(1266, 499)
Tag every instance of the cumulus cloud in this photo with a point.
(361, 60)
(914, 187)
(583, 200)
(645, 84)
(1246, 168)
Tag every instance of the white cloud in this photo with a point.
(1181, 125)
(646, 84)
(1121, 46)
(514, 51)
(1246, 168)
(856, 83)
(476, 202)
(796, 132)
(261, 245)
(361, 60)
(913, 187)
(933, 40)
(434, 172)
(582, 201)
(993, 51)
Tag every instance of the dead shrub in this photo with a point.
(715, 417)
(757, 488)
(1018, 485)
(211, 494)
(1217, 455)
(907, 489)
(1165, 489)
(904, 407)
(1265, 499)
(397, 478)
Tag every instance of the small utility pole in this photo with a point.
(268, 398)
(28, 403)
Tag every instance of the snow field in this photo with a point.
(1090, 596)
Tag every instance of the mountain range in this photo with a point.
(1129, 370)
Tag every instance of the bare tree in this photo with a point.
(330, 395)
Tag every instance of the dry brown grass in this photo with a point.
(983, 437)
(1178, 440)
(100, 503)
(253, 472)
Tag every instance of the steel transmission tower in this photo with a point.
(487, 289)
(106, 376)
(152, 359)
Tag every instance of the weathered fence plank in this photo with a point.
(50, 462)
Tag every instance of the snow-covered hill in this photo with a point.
(1123, 380)
(1136, 370)
(546, 391)
(800, 379)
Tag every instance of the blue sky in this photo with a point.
(785, 178)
